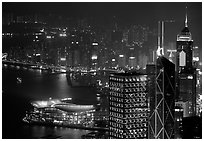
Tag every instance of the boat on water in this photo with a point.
(19, 80)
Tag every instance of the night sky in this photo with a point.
(126, 12)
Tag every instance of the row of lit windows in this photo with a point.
(116, 89)
(135, 100)
(136, 120)
(130, 79)
(135, 95)
(115, 119)
(136, 131)
(114, 104)
(116, 94)
(143, 84)
(116, 109)
(133, 79)
(131, 126)
(116, 99)
(139, 115)
(133, 105)
(116, 79)
(130, 90)
(136, 110)
(136, 135)
(115, 124)
(116, 130)
(116, 114)
(120, 85)
(115, 84)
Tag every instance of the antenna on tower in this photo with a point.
(160, 49)
(186, 20)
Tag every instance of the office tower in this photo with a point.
(122, 61)
(161, 92)
(178, 113)
(196, 56)
(186, 76)
(128, 108)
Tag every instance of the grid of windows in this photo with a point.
(128, 106)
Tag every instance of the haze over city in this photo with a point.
(102, 70)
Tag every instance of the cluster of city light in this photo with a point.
(63, 35)
(63, 59)
(94, 57)
(59, 117)
(7, 34)
(50, 37)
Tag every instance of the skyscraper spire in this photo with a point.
(186, 21)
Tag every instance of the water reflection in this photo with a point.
(37, 85)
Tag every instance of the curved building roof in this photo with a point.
(59, 104)
(68, 107)
(45, 103)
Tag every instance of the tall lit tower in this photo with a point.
(186, 78)
(128, 108)
(160, 49)
(161, 92)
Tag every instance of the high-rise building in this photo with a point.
(128, 108)
(178, 122)
(186, 75)
(161, 92)
(122, 61)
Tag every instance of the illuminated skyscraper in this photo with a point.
(161, 92)
(186, 76)
(128, 111)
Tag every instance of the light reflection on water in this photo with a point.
(37, 85)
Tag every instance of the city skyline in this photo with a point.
(129, 13)
(102, 70)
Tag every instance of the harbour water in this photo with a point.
(37, 85)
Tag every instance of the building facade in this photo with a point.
(186, 74)
(128, 108)
(161, 92)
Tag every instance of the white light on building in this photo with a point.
(42, 30)
(94, 44)
(132, 57)
(195, 58)
(182, 56)
(94, 57)
(48, 37)
(190, 77)
(63, 35)
(63, 59)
